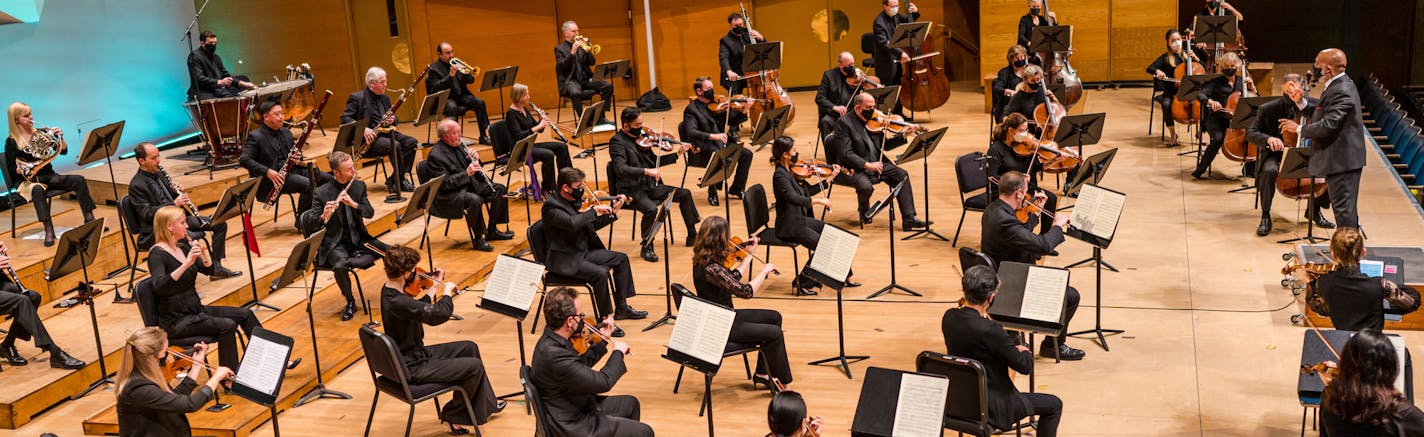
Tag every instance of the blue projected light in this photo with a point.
(93, 62)
(21, 11)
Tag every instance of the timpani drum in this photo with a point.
(294, 95)
(224, 124)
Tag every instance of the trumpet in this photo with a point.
(464, 67)
(583, 42)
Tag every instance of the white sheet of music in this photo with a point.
(514, 282)
(701, 330)
(835, 253)
(920, 409)
(262, 365)
(1097, 211)
(1043, 294)
(1399, 350)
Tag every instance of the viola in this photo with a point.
(583, 340)
(859, 78)
(655, 140)
(738, 102)
(600, 197)
(807, 169)
(891, 123)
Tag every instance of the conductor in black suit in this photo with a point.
(576, 251)
(1265, 134)
(970, 333)
(704, 130)
(574, 68)
(860, 150)
(888, 59)
(1336, 132)
(1005, 238)
(571, 389)
(267, 148)
(729, 57)
(341, 207)
(372, 103)
(639, 176)
(444, 76)
(467, 188)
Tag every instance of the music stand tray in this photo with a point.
(1212, 29)
(432, 108)
(611, 70)
(420, 201)
(761, 56)
(236, 200)
(1080, 130)
(588, 119)
(923, 145)
(101, 143)
(1247, 110)
(720, 166)
(300, 260)
(521, 149)
(770, 125)
(1051, 39)
(886, 97)
(499, 78)
(351, 136)
(1191, 85)
(909, 36)
(1090, 172)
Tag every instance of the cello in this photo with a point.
(1052, 158)
(1303, 188)
(1186, 111)
(1235, 146)
(928, 88)
(1058, 71)
(764, 86)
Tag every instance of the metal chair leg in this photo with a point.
(372, 415)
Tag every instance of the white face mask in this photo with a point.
(1021, 136)
(895, 10)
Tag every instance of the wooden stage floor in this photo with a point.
(1209, 348)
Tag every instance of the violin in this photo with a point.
(1029, 209)
(1326, 370)
(737, 102)
(859, 78)
(175, 362)
(655, 140)
(583, 340)
(807, 169)
(600, 197)
(738, 253)
(895, 124)
(422, 281)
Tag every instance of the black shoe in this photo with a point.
(498, 235)
(58, 359)
(294, 363)
(348, 312)
(12, 356)
(851, 284)
(618, 332)
(649, 255)
(1053, 252)
(223, 273)
(1265, 227)
(485, 139)
(482, 245)
(1322, 223)
(912, 223)
(1197, 174)
(407, 186)
(691, 239)
(1064, 351)
(604, 120)
(806, 291)
(865, 218)
(734, 139)
(712, 198)
(737, 194)
(629, 313)
(499, 405)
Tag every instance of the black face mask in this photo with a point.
(1315, 71)
(1020, 63)
(210, 47)
(1034, 11)
(577, 193)
(1031, 86)
(796, 157)
(867, 113)
(848, 71)
(1228, 71)
(739, 30)
(709, 94)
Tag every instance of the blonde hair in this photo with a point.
(161, 219)
(16, 109)
(518, 91)
(141, 353)
(1229, 59)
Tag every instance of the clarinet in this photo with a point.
(489, 186)
(188, 207)
(10, 271)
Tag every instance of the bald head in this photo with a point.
(845, 60)
(1330, 63)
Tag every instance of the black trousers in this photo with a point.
(738, 176)
(681, 196)
(623, 413)
(596, 269)
(218, 240)
(472, 205)
(763, 327)
(457, 362)
(343, 261)
(552, 157)
(1049, 409)
(383, 147)
(58, 184)
(1266, 171)
(298, 183)
(578, 92)
(458, 106)
(219, 322)
(826, 124)
(1344, 189)
(20, 306)
(1215, 126)
(864, 184)
(1070, 307)
(1164, 102)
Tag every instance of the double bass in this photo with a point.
(764, 86)
(1057, 70)
(1302, 188)
(926, 85)
(1186, 111)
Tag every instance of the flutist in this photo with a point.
(341, 207)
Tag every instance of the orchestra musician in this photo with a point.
(1265, 133)
(573, 65)
(148, 405)
(718, 283)
(1029, 93)
(267, 148)
(1337, 133)
(705, 131)
(729, 57)
(1162, 69)
(888, 59)
(860, 150)
(519, 120)
(795, 220)
(1007, 80)
(445, 76)
(341, 207)
(1216, 119)
(576, 251)
(372, 103)
(23, 138)
(1355, 300)
(1218, 8)
(835, 92)
(970, 332)
(1361, 399)
(148, 191)
(21, 304)
(405, 315)
(638, 174)
(1005, 238)
(1032, 19)
(467, 189)
(786, 416)
(1003, 159)
(208, 77)
(571, 389)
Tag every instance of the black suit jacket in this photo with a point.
(832, 92)
(204, 72)
(793, 200)
(1005, 80)
(969, 335)
(858, 145)
(729, 55)
(439, 80)
(145, 410)
(628, 163)
(698, 122)
(148, 193)
(1025, 36)
(570, 233)
(569, 385)
(887, 58)
(1267, 124)
(347, 226)
(1337, 130)
(570, 67)
(452, 161)
(365, 103)
(1005, 238)
(266, 149)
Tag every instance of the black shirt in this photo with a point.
(968, 334)
(1005, 160)
(1219, 90)
(177, 299)
(266, 148)
(1025, 102)
(1407, 422)
(204, 71)
(717, 283)
(146, 410)
(439, 80)
(404, 319)
(148, 193)
(13, 151)
(1005, 238)
(1356, 301)
(1167, 63)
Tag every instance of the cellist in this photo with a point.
(1003, 159)
(1265, 133)
(1162, 81)
(1217, 116)
(1031, 93)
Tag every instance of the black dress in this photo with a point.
(552, 154)
(181, 312)
(718, 284)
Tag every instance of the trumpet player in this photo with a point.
(519, 119)
(467, 188)
(150, 189)
(341, 207)
(573, 65)
(35, 148)
(449, 73)
(372, 103)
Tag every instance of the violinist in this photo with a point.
(786, 416)
(889, 59)
(1032, 19)
(795, 198)
(1355, 300)
(1028, 95)
(838, 85)
(705, 131)
(576, 251)
(21, 305)
(342, 208)
(519, 120)
(1218, 117)
(719, 283)
(729, 57)
(1008, 79)
(1006, 238)
(467, 188)
(1162, 70)
(1361, 399)
(571, 389)
(147, 404)
(637, 173)
(860, 150)
(1266, 134)
(1003, 159)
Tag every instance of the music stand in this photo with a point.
(1215, 30)
(886, 97)
(1080, 131)
(1188, 91)
(504, 296)
(719, 169)
(921, 148)
(830, 242)
(879, 410)
(889, 202)
(77, 249)
(350, 137)
(1008, 305)
(298, 264)
(418, 207)
(1295, 164)
(1090, 172)
(770, 126)
(708, 327)
(1245, 116)
(262, 389)
(607, 72)
(237, 201)
(431, 109)
(761, 57)
(499, 78)
(664, 212)
(1100, 239)
(1055, 39)
(586, 122)
(908, 37)
(101, 143)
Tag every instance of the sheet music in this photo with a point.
(1399, 350)
(1097, 211)
(701, 330)
(920, 409)
(834, 253)
(262, 365)
(514, 282)
(1043, 294)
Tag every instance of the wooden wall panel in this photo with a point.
(1100, 29)
(493, 35)
(1138, 27)
(610, 25)
(685, 35)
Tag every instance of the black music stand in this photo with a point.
(886, 97)
(586, 122)
(1215, 30)
(908, 37)
(1090, 172)
(719, 169)
(263, 347)
(77, 249)
(1099, 243)
(608, 71)
(524, 149)
(762, 58)
(431, 109)
(879, 403)
(499, 78)
(298, 264)
(101, 143)
(1243, 118)
(889, 203)
(1295, 164)
(1054, 39)
(702, 361)
(770, 126)
(921, 148)
(664, 213)
(419, 206)
(1188, 91)
(349, 137)
(237, 201)
(517, 310)
(1007, 308)
(835, 280)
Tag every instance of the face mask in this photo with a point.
(1020, 137)
(210, 47)
(1031, 86)
(576, 193)
(708, 94)
(1174, 47)
(1316, 71)
(1020, 63)
(1228, 71)
(848, 71)
(796, 157)
(1034, 11)
(895, 10)
(739, 30)
(867, 113)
